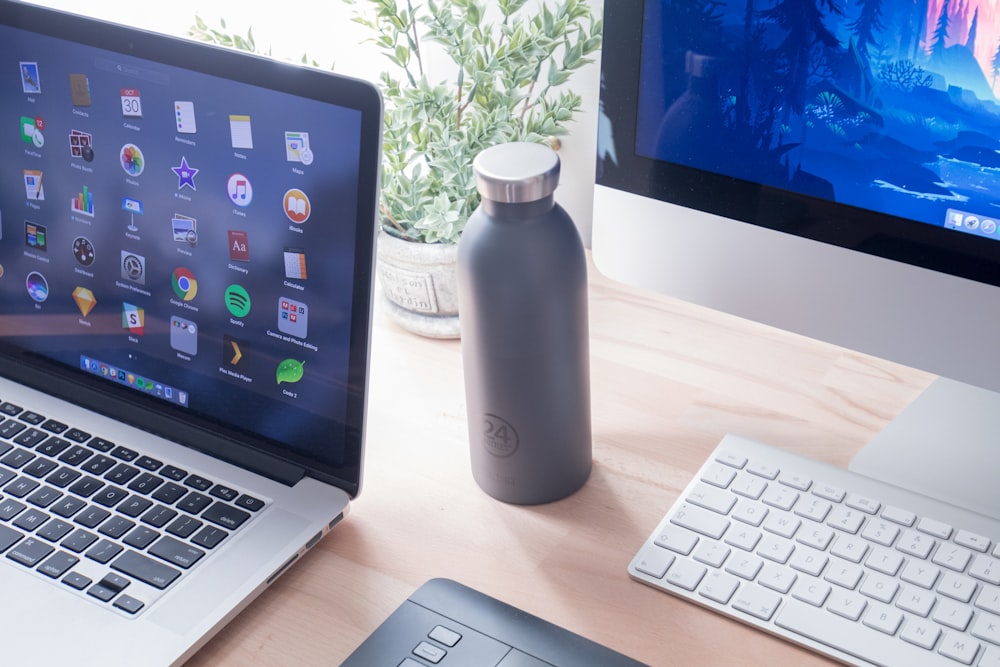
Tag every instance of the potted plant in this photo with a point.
(508, 63)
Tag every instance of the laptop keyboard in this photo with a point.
(102, 519)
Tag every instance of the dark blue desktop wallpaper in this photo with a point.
(155, 233)
(887, 105)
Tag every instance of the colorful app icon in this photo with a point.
(84, 299)
(83, 202)
(237, 300)
(239, 189)
(33, 189)
(295, 263)
(293, 317)
(36, 236)
(83, 251)
(134, 208)
(183, 335)
(79, 88)
(81, 145)
(240, 132)
(239, 245)
(297, 147)
(132, 160)
(37, 286)
(31, 82)
(185, 175)
(234, 351)
(297, 206)
(31, 131)
(290, 370)
(133, 319)
(131, 103)
(133, 267)
(185, 229)
(184, 283)
(184, 115)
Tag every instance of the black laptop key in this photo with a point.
(92, 517)
(198, 482)
(225, 515)
(159, 516)
(76, 580)
(103, 551)
(40, 467)
(30, 437)
(108, 587)
(58, 564)
(54, 426)
(10, 508)
(133, 506)
(99, 464)
(183, 526)
(129, 604)
(86, 486)
(124, 453)
(145, 483)
(194, 502)
(224, 492)
(76, 435)
(17, 457)
(169, 493)
(116, 526)
(6, 475)
(101, 445)
(67, 506)
(145, 569)
(110, 496)
(32, 417)
(11, 428)
(9, 537)
(141, 537)
(209, 537)
(76, 455)
(148, 463)
(44, 496)
(176, 552)
(30, 520)
(174, 473)
(10, 409)
(79, 540)
(63, 477)
(55, 530)
(121, 474)
(5, 447)
(29, 552)
(20, 487)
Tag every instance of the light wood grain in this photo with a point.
(668, 381)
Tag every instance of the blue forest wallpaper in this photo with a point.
(889, 105)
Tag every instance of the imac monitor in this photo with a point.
(830, 168)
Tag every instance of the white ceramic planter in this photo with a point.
(418, 285)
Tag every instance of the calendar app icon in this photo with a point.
(131, 103)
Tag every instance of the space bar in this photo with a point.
(852, 637)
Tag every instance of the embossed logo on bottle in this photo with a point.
(500, 438)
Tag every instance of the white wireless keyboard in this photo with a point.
(856, 569)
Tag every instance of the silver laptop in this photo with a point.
(185, 307)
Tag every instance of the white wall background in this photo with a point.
(289, 28)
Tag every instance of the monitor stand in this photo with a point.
(946, 444)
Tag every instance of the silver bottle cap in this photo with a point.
(516, 173)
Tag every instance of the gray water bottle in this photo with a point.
(522, 295)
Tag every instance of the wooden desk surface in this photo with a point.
(668, 380)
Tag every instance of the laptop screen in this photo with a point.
(187, 234)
